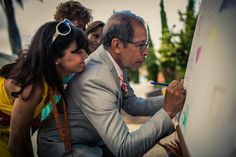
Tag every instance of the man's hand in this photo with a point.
(174, 98)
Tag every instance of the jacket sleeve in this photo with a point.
(136, 106)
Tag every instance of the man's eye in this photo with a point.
(141, 45)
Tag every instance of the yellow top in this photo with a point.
(6, 106)
(6, 103)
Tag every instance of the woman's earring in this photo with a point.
(57, 62)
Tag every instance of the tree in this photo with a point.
(183, 45)
(133, 76)
(13, 32)
(174, 53)
(151, 60)
(167, 48)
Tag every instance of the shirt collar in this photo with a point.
(118, 69)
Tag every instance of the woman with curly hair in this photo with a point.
(56, 50)
(75, 12)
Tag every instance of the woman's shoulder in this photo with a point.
(32, 91)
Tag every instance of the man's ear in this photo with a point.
(116, 45)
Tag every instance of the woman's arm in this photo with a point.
(21, 120)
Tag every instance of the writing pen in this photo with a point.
(160, 84)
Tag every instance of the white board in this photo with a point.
(208, 119)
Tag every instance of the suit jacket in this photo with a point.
(94, 100)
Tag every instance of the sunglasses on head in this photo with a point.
(63, 28)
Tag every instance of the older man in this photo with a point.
(96, 96)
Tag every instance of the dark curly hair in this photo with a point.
(73, 10)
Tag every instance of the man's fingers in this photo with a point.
(178, 86)
(176, 83)
(173, 83)
(182, 91)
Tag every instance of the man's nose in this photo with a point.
(145, 52)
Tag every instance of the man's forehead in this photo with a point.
(140, 33)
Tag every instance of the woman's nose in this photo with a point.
(84, 54)
(99, 41)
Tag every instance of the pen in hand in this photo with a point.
(160, 84)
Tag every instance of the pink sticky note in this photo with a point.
(199, 50)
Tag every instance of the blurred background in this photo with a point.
(170, 24)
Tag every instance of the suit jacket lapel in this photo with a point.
(105, 58)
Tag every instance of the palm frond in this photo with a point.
(20, 3)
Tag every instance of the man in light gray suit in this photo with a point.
(96, 96)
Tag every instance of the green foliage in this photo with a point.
(151, 60)
(133, 76)
(174, 53)
(167, 49)
(183, 45)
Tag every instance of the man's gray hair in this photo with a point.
(120, 26)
